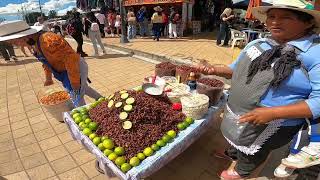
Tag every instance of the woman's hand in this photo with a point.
(48, 82)
(205, 68)
(259, 116)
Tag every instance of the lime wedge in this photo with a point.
(123, 91)
(127, 125)
(118, 104)
(127, 108)
(110, 104)
(111, 96)
(123, 115)
(124, 96)
(130, 100)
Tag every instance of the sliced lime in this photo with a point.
(123, 91)
(110, 104)
(123, 115)
(124, 96)
(118, 104)
(130, 100)
(127, 125)
(111, 96)
(128, 108)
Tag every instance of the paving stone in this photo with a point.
(17, 176)
(22, 132)
(40, 126)
(10, 167)
(6, 137)
(5, 129)
(6, 145)
(34, 160)
(63, 164)
(89, 169)
(60, 128)
(73, 146)
(18, 117)
(25, 140)
(82, 156)
(45, 134)
(37, 119)
(73, 174)
(34, 112)
(8, 156)
(49, 143)
(4, 121)
(53, 178)
(41, 172)
(19, 124)
(65, 137)
(29, 150)
(104, 177)
(56, 153)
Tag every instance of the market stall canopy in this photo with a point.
(252, 4)
(143, 2)
(243, 4)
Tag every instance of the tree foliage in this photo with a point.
(52, 14)
(31, 17)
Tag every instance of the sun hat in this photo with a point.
(157, 8)
(260, 12)
(16, 29)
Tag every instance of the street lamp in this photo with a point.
(123, 38)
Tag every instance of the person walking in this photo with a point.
(91, 30)
(165, 22)
(224, 32)
(102, 19)
(75, 29)
(57, 56)
(142, 21)
(117, 24)
(132, 21)
(7, 51)
(157, 22)
(112, 21)
(173, 23)
(43, 23)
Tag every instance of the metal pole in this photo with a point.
(123, 38)
(40, 8)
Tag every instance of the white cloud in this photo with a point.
(64, 11)
(32, 5)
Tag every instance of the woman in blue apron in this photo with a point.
(275, 86)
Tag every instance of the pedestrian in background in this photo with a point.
(165, 22)
(142, 21)
(111, 21)
(157, 22)
(173, 23)
(224, 32)
(6, 50)
(91, 30)
(118, 24)
(102, 19)
(132, 21)
(75, 29)
(43, 23)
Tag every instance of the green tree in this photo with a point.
(52, 14)
(31, 17)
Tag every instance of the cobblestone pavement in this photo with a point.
(34, 145)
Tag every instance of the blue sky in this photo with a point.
(11, 9)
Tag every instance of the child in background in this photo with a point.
(118, 24)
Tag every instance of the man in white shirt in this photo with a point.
(101, 18)
(41, 22)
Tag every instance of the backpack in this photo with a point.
(70, 29)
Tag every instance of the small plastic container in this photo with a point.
(214, 93)
(55, 110)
